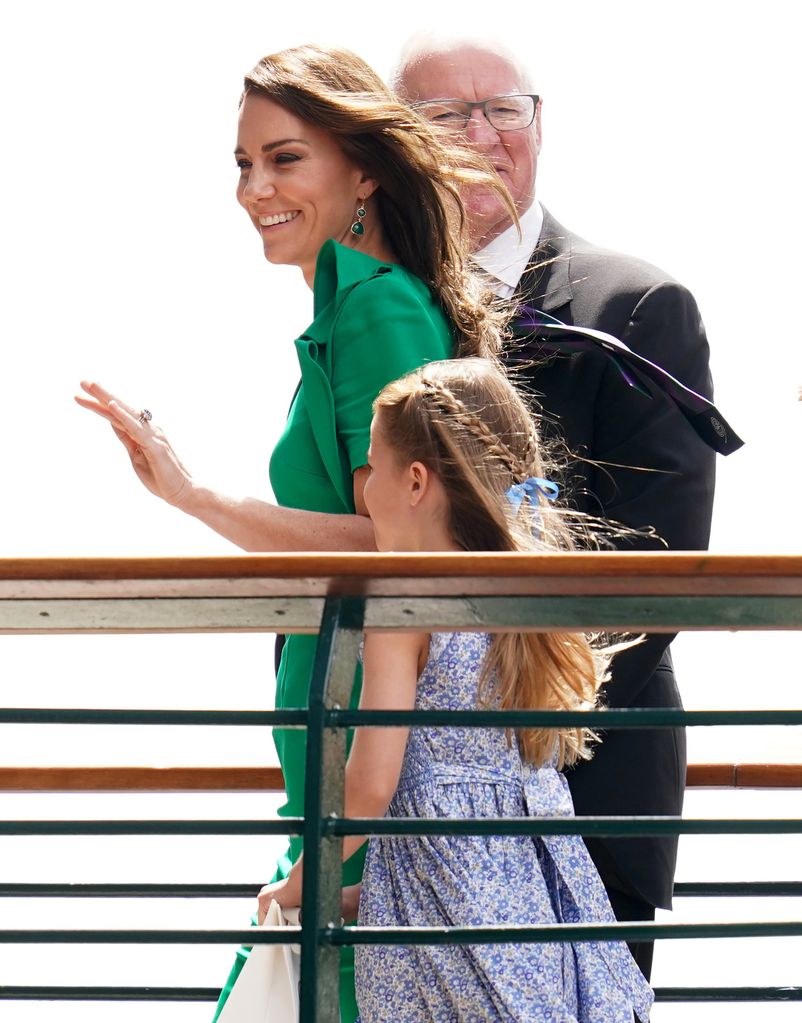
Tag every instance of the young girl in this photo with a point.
(456, 465)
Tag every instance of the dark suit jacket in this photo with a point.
(616, 434)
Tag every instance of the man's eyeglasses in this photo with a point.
(505, 113)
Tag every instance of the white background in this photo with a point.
(670, 131)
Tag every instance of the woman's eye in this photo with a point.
(243, 164)
(287, 157)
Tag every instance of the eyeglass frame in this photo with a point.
(483, 104)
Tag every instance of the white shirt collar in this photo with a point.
(507, 256)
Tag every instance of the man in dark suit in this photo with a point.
(635, 459)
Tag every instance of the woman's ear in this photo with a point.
(367, 186)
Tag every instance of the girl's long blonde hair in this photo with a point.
(466, 422)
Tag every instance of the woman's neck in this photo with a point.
(376, 248)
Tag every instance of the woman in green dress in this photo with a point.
(345, 182)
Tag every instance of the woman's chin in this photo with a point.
(274, 257)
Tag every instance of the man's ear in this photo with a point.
(419, 481)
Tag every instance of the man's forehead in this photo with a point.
(461, 73)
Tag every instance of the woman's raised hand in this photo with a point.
(153, 459)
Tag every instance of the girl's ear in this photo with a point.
(419, 483)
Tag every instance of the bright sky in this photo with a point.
(669, 132)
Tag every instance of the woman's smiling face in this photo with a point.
(296, 184)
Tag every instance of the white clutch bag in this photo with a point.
(266, 991)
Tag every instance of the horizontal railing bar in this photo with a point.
(600, 826)
(112, 716)
(417, 574)
(141, 779)
(485, 935)
(506, 933)
(647, 613)
(153, 614)
(780, 775)
(271, 779)
(36, 993)
(84, 890)
(148, 936)
(744, 776)
(617, 717)
(738, 889)
(607, 826)
(661, 612)
(208, 994)
(613, 718)
(728, 994)
(99, 890)
(282, 826)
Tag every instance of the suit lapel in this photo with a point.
(547, 281)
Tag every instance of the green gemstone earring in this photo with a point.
(358, 228)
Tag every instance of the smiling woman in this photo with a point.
(344, 181)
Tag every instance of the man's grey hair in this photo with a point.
(424, 44)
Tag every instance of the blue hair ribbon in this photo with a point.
(531, 488)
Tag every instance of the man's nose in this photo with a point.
(479, 130)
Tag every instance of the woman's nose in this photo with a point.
(259, 185)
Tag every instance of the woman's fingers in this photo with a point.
(106, 400)
(99, 393)
(264, 899)
(120, 414)
(93, 406)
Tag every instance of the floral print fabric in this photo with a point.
(476, 880)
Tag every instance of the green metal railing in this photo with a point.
(342, 597)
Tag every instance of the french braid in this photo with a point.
(445, 398)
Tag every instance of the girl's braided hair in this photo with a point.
(466, 422)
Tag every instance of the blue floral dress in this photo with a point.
(462, 881)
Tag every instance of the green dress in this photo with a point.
(373, 323)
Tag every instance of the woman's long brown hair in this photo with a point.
(466, 423)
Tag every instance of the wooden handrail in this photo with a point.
(319, 574)
(270, 779)
(664, 592)
(140, 779)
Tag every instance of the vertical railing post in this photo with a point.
(331, 686)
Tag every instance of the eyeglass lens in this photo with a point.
(505, 113)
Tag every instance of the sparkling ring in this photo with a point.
(145, 415)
